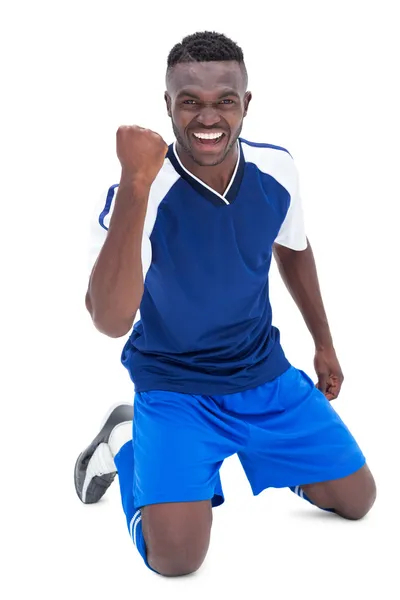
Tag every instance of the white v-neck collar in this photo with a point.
(221, 196)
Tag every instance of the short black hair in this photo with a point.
(205, 46)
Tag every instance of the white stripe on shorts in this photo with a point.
(134, 529)
(135, 516)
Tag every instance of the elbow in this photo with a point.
(112, 328)
(88, 303)
(111, 325)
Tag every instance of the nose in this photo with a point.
(208, 116)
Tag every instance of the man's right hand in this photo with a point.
(141, 153)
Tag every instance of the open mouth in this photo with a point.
(209, 140)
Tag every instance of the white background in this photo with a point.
(324, 77)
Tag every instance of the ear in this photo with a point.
(247, 99)
(167, 99)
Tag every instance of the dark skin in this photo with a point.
(299, 273)
(208, 97)
(212, 97)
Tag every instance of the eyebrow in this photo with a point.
(229, 92)
(188, 94)
(224, 94)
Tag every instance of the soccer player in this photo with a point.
(186, 240)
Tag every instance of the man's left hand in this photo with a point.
(330, 376)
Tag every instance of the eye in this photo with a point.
(227, 102)
(190, 102)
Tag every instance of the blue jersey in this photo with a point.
(205, 322)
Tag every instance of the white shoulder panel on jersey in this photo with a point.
(160, 188)
(164, 181)
(280, 165)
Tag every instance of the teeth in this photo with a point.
(208, 136)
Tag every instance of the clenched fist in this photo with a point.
(141, 152)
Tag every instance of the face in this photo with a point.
(207, 103)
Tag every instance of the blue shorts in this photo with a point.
(285, 433)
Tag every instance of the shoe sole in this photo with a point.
(89, 486)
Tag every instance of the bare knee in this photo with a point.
(175, 558)
(178, 553)
(356, 507)
(177, 536)
(351, 497)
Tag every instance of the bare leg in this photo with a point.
(351, 497)
(177, 536)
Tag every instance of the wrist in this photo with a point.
(136, 181)
(323, 345)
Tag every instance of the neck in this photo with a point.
(216, 177)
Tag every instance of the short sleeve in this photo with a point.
(98, 227)
(292, 233)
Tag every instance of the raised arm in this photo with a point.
(116, 283)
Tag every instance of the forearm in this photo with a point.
(299, 273)
(116, 283)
